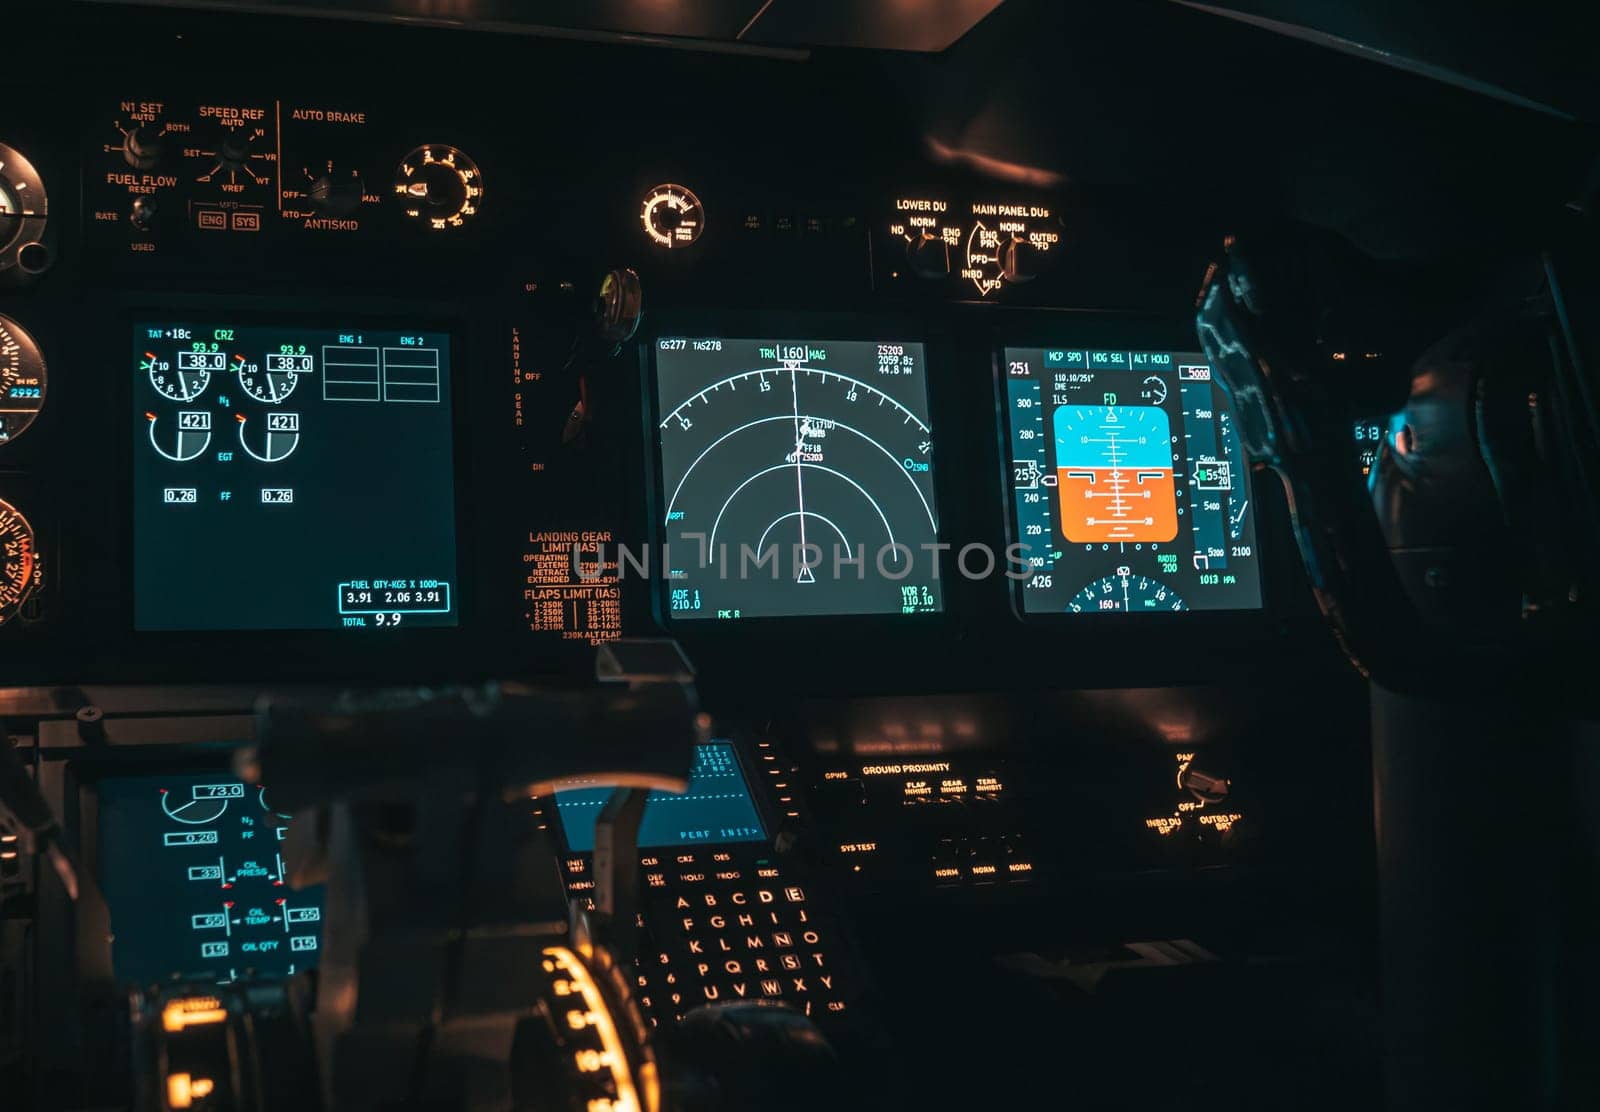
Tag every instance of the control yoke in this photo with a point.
(1467, 555)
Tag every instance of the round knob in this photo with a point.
(619, 307)
(928, 255)
(1019, 260)
(234, 150)
(143, 146)
(439, 186)
(143, 213)
(1203, 785)
(336, 196)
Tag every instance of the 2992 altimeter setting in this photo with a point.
(23, 380)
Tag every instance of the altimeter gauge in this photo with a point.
(23, 378)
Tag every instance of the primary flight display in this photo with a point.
(796, 478)
(1127, 484)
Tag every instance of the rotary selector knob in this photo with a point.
(235, 150)
(1019, 260)
(928, 255)
(335, 196)
(143, 146)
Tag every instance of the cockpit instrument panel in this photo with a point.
(975, 249)
(1127, 484)
(287, 477)
(796, 478)
(193, 873)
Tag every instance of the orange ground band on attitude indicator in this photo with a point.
(1115, 505)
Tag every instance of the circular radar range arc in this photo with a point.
(797, 478)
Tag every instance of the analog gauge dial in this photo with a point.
(672, 216)
(24, 207)
(272, 380)
(20, 569)
(439, 186)
(1125, 592)
(22, 380)
(1153, 390)
(185, 378)
(201, 804)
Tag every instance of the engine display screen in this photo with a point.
(193, 877)
(1128, 485)
(291, 478)
(796, 478)
(717, 808)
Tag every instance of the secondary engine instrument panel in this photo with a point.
(306, 448)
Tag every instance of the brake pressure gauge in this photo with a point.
(672, 216)
(22, 380)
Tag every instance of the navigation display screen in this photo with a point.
(796, 478)
(291, 478)
(193, 877)
(717, 808)
(1128, 486)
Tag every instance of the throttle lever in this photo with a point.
(20, 795)
(616, 871)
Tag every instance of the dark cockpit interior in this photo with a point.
(722, 555)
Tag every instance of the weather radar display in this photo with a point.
(796, 478)
(1127, 484)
